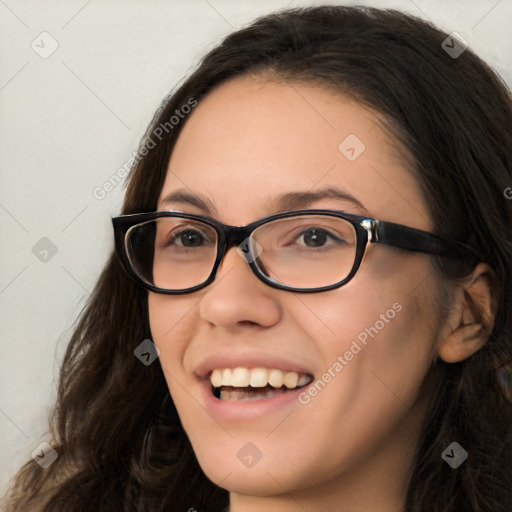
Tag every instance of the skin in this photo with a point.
(350, 448)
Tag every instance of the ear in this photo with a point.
(471, 319)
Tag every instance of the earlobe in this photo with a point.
(462, 343)
(471, 319)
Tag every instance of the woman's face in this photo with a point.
(367, 345)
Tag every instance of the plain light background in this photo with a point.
(71, 120)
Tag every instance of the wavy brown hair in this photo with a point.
(118, 436)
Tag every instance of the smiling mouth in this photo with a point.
(245, 384)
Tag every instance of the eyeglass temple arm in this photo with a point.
(418, 240)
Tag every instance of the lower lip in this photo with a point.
(246, 409)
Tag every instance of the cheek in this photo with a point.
(172, 324)
(376, 342)
(376, 348)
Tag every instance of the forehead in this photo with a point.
(253, 140)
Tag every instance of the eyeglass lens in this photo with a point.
(308, 251)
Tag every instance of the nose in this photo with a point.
(237, 297)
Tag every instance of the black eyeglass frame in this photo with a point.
(368, 230)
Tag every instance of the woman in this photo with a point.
(348, 348)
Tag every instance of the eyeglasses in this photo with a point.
(301, 251)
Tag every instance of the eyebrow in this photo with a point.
(282, 203)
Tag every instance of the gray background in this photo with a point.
(71, 120)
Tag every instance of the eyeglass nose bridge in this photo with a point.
(235, 236)
(238, 236)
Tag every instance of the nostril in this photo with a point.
(247, 323)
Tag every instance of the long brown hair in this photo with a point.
(117, 434)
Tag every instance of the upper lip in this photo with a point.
(252, 359)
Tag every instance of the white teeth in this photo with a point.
(216, 378)
(303, 379)
(258, 378)
(291, 379)
(241, 377)
(275, 378)
(227, 377)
